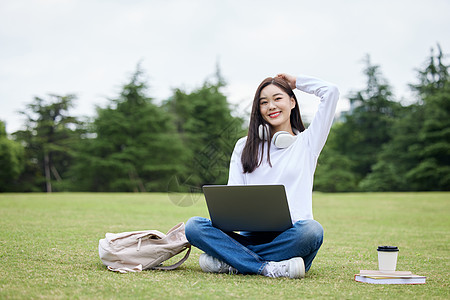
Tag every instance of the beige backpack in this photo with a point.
(142, 250)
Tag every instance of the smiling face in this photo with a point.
(275, 107)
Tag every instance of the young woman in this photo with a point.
(257, 160)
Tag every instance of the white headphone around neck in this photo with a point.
(281, 139)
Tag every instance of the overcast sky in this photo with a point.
(91, 47)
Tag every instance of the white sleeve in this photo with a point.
(236, 173)
(319, 128)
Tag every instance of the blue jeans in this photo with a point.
(249, 252)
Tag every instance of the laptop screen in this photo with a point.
(248, 207)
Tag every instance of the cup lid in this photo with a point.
(387, 248)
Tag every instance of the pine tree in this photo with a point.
(417, 157)
(209, 132)
(359, 138)
(433, 145)
(11, 161)
(49, 137)
(136, 147)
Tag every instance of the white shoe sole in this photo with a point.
(205, 262)
(296, 268)
(210, 264)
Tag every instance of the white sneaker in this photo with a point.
(292, 268)
(210, 264)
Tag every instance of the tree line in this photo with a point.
(135, 145)
(381, 145)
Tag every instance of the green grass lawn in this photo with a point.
(48, 248)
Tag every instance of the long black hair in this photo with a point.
(251, 157)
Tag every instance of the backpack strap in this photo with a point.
(176, 265)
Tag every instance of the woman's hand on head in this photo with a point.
(289, 78)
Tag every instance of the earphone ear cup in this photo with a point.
(263, 132)
(283, 139)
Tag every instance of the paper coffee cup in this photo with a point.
(387, 258)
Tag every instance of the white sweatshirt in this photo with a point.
(293, 166)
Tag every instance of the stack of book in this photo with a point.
(385, 277)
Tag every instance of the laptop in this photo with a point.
(248, 207)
